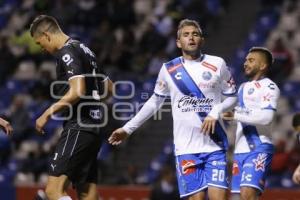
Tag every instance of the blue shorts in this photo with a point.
(196, 172)
(250, 169)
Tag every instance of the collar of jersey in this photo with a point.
(200, 59)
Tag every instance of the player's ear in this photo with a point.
(202, 41)
(47, 36)
(264, 66)
(178, 43)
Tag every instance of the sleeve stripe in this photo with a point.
(159, 95)
(269, 108)
(230, 94)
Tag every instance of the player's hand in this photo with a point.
(229, 116)
(208, 125)
(117, 137)
(7, 127)
(41, 122)
(296, 175)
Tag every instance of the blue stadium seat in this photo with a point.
(290, 89)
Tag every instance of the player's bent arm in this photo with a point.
(226, 105)
(150, 107)
(296, 175)
(3, 122)
(77, 88)
(6, 125)
(254, 117)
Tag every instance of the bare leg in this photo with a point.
(56, 187)
(88, 191)
(249, 193)
(215, 193)
(197, 196)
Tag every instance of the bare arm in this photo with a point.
(6, 126)
(76, 90)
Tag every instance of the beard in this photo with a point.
(251, 74)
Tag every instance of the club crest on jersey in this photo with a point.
(250, 91)
(260, 162)
(206, 76)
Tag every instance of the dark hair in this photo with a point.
(265, 52)
(187, 22)
(296, 120)
(43, 23)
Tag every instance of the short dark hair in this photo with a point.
(265, 52)
(296, 120)
(188, 22)
(44, 23)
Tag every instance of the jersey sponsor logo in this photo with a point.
(218, 163)
(260, 162)
(95, 114)
(206, 75)
(271, 86)
(248, 165)
(235, 168)
(194, 104)
(250, 91)
(210, 66)
(207, 85)
(86, 50)
(188, 167)
(178, 75)
(71, 71)
(246, 177)
(52, 166)
(267, 97)
(67, 59)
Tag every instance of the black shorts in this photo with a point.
(76, 156)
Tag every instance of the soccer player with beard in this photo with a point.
(196, 83)
(257, 103)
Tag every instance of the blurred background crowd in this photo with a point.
(131, 39)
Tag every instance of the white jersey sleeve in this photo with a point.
(150, 107)
(255, 115)
(161, 87)
(264, 113)
(270, 98)
(228, 84)
(228, 88)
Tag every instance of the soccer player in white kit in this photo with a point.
(257, 103)
(196, 83)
